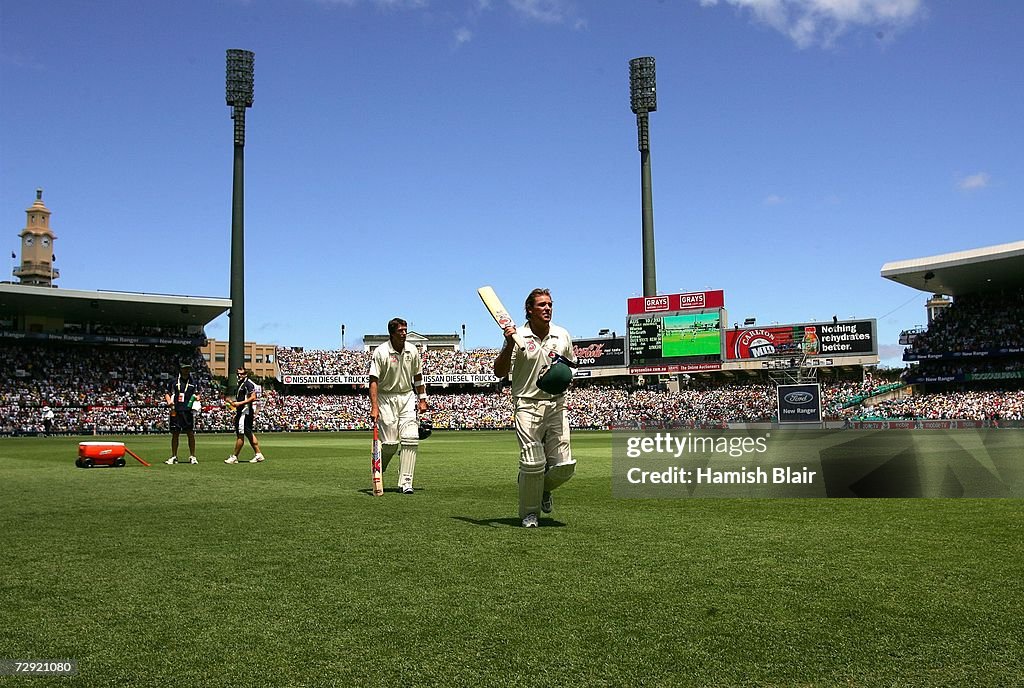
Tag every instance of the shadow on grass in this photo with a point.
(507, 522)
(391, 490)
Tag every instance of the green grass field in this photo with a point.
(690, 343)
(683, 335)
(290, 573)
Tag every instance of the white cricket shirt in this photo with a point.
(395, 370)
(527, 363)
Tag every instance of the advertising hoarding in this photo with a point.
(600, 353)
(799, 403)
(841, 338)
(674, 339)
(668, 303)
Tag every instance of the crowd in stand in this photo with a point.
(976, 322)
(958, 369)
(137, 330)
(989, 328)
(112, 387)
(120, 389)
(318, 362)
(983, 406)
(348, 362)
(478, 361)
(123, 329)
(108, 389)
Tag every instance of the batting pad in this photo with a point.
(407, 464)
(531, 478)
(559, 474)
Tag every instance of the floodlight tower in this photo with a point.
(643, 100)
(239, 97)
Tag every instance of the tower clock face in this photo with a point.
(46, 241)
(28, 240)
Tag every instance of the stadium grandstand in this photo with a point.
(113, 383)
(968, 363)
(107, 375)
(100, 362)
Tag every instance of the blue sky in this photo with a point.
(401, 153)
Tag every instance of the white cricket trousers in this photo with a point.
(397, 425)
(545, 459)
(544, 422)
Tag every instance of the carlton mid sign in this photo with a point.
(670, 303)
(844, 338)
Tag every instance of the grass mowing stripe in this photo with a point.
(289, 573)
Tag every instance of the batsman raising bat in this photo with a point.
(396, 380)
(540, 356)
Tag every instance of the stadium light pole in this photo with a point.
(643, 100)
(239, 97)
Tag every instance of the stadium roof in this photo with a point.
(963, 272)
(109, 306)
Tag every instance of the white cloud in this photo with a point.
(383, 4)
(544, 11)
(973, 182)
(774, 199)
(551, 12)
(821, 22)
(401, 4)
(891, 352)
(21, 61)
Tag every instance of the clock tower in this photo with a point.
(37, 247)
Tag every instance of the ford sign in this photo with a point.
(799, 398)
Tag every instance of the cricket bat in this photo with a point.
(499, 313)
(375, 468)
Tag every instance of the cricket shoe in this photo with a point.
(171, 461)
(530, 521)
(231, 459)
(407, 489)
(257, 458)
(193, 460)
(546, 503)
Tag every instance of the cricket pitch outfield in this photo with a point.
(290, 573)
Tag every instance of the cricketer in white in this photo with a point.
(396, 379)
(541, 422)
